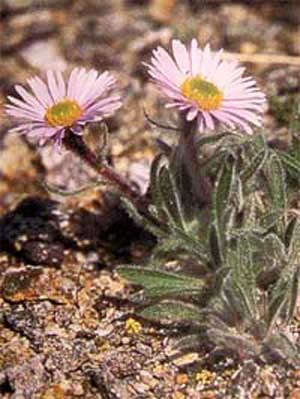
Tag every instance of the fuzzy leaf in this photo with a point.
(189, 342)
(173, 311)
(273, 249)
(255, 165)
(245, 345)
(294, 244)
(212, 138)
(282, 347)
(179, 241)
(158, 283)
(277, 302)
(294, 294)
(284, 294)
(270, 257)
(141, 220)
(276, 181)
(293, 223)
(291, 163)
(295, 125)
(222, 200)
(250, 212)
(167, 194)
(215, 248)
(243, 276)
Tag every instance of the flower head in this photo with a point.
(205, 87)
(51, 108)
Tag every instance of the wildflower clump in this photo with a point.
(220, 203)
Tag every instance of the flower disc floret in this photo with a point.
(205, 94)
(63, 113)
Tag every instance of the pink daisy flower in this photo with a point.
(204, 87)
(51, 108)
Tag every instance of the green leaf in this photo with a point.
(294, 244)
(280, 345)
(158, 283)
(172, 202)
(250, 212)
(294, 294)
(189, 342)
(243, 276)
(166, 194)
(235, 341)
(270, 257)
(157, 180)
(273, 250)
(215, 247)
(277, 301)
(155, 229)
(293, 223)
(284, 294)
(270, 219)
(295, 124)
(173, 311)
(255, 165)
(276, 181)
(291, 163)
(179, 241)
(223, 200)
(213, 138)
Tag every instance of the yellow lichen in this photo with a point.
(132, 326)
(205, 377)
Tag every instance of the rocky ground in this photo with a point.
(67, 328)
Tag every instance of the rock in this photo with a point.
(28, 378)
(55, 392)
(44, 55)
(141, 388)
(139, 173)
(181, 379)
(17, 6)
(148, 379)
(295, 394)
(24, 29)
(161, 10)
(32, 231)
(32, 284)
(296, 374)
(20, 285)
(20, 170)
(269, 383)
(283, 88)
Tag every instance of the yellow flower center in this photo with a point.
(207, 96)
(63, 113)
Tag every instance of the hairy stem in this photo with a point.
(201, 185)
(76, 144)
